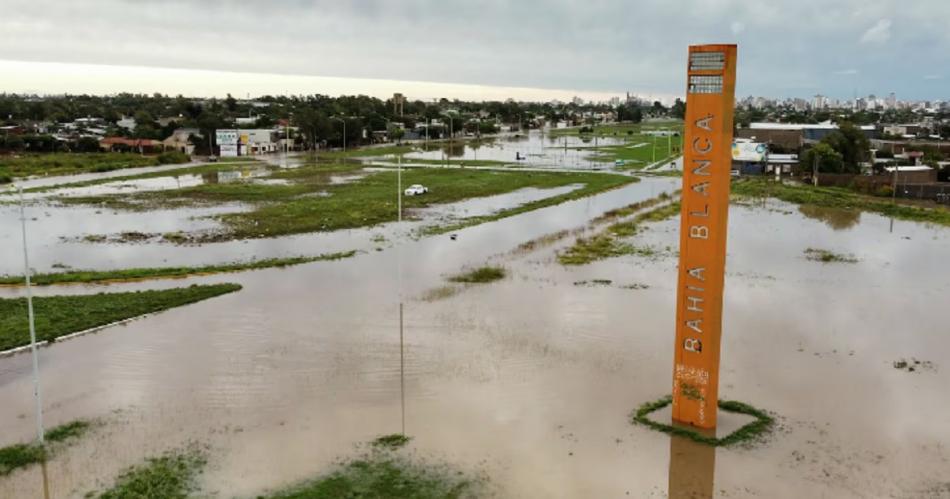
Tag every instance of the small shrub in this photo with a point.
(173, 157)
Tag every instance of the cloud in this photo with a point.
(880, 33)
(850, 71)
(552, 44)
(933, 77)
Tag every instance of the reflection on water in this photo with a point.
(45, 473)
(836, 218)
(692, 468)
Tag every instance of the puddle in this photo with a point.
(530, 378)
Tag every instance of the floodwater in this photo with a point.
(530, 379)
(58, 234)
(536, 149)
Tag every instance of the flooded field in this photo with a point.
(530, 379)
(534, 149)
(122, 226)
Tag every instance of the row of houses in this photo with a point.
(228, 143)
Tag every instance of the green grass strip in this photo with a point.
(21, 455)
(61, 315)
(25, 165)
(98, 276)
(747, 433)
(836, 197)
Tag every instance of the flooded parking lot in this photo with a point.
(530, 379)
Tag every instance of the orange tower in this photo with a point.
(707, 143)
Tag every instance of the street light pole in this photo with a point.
(29, 307)
(344, 131)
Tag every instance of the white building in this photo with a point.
(246, 142)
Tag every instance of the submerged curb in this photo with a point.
(45, 343)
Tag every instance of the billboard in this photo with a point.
(707, 160)
(749, 151)
(225, 137)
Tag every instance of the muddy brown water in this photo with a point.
(530, 379)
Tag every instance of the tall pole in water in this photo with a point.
(29, 307)
(402, 355)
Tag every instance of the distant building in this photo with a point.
(810, 132)
(180, 140)
(126, 122)
(246, 120)
(249, 142)
(123, 144)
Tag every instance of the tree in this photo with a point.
(679, 109)
(829, 160)
(636, 116)
(397, 134)
(849, 141)
(230, 103)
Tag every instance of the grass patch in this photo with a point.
(367, 152)
(747, 433)
(834, 197)
(100, 276)
(61, 315)
(171, 476)
(21, 455)
(383, 473)
(393, 441)
(589, 249)
(383, 477)
(825, 256)
(607, 244)
(440, 293)
(480, 275)
(26, 165)
(68, 430)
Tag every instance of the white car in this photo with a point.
(416, 190)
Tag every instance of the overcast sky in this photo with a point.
(589, 47)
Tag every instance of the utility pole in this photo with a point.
(344, 130)
(29, 308)
(402, 356)
(654, 147)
